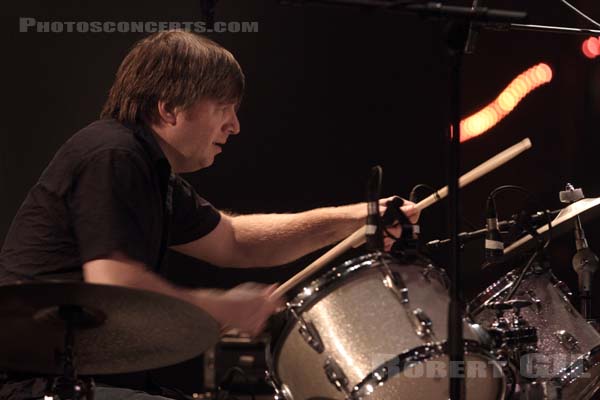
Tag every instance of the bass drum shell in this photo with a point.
(364, 327)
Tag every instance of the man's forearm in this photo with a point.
(275, 239)
(245, 307)
(123, 272)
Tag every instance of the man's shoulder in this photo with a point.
(102, 139)
(101, 135)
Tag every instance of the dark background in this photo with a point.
(330, 92)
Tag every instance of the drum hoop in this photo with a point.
(491, 292)
(583, 363)
(416, 356)
(317, 288)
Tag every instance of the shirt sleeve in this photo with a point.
(112, 208)
(193, 216)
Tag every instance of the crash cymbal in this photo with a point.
(117, 329)
(586, 209)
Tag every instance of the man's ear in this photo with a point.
(167, 115)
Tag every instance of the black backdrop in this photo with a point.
(331, 92)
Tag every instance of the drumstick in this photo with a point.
(478, 171)
(358, 237)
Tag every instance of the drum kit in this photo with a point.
(373, 327)
(376, 326)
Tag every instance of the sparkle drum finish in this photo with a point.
(568, 348)
(375, 328)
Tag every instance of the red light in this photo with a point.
(591, 47)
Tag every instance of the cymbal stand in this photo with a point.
(585, 262)
(69, 386)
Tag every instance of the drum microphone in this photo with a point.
(373, 233)
(494, 246)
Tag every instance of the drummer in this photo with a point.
(111, 201)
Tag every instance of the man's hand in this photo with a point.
(245, 307)
(408, 209)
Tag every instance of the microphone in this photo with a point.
(494, 246)
(374, 234)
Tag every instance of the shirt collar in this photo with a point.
(145, 135)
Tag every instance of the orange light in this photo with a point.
(509, 98)
(591, 47)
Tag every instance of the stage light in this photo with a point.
(509, 98)
(591, 47)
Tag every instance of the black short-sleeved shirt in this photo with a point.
(109, 188)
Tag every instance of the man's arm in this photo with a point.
(245, 307)
(264, 240)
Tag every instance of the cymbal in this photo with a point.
(120, 330)
(586, 209)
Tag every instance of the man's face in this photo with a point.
(201, 132)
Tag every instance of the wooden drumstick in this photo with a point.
(358, 237)
(478, 172)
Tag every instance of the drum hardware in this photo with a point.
(565, 289)
(308, 331)
(513, 337)
(336, 375)
(567, 340)
(430, 271)
(569, 376)
(69, 386)
(422, 324)
(393, 281)
(535, 301)
(585, 262)
(282, 392)
(538, 218)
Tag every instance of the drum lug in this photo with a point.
(567, 340)
(336, 375)
(422, 323)
(367, 387)
(537, 303)
(309, 332)
(431, 271)
(564, 289)
(393, 281)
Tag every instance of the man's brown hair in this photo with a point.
(176, 67)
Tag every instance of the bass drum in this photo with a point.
(567, 360)
(375, 328)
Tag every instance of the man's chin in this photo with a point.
(195, 166)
